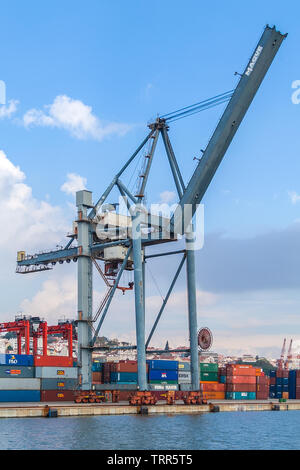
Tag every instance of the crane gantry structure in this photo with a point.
(120, 241)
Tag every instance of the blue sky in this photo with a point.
(129, 61)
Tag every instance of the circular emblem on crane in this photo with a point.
(205, 339)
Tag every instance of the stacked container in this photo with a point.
(279, 384)
(262, 386)
(163, 375)
(17, 379)
(57, 383)
(208, 372)
(240, 382)
(97, 368)
(294, 384)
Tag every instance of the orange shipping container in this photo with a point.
(240, 371)
(97, 377)
(213, 395)
(240, 379)
(212, 387)
(285, 395)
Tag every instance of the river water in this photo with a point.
(266, 430)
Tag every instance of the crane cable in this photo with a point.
(198, 107)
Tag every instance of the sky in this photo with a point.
(83, 80)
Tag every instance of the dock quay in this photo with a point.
(38, 410)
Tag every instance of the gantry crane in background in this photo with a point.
(121, 241)
(280, 362)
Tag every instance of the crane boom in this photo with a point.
(232, 117)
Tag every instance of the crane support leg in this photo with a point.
(139, 301)
(85, 290)
(192, 308)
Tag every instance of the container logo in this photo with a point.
(12, 360)
(164, 375)
(60, 395)
(60, 372)
(13, 371)
(60, 384)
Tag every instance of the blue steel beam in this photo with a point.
(232, 117)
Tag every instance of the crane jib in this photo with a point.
(232, 117)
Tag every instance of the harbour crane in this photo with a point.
(280, 362)
(289, 356)
(103, 235)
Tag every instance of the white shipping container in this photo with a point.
(20, 384)
(56, 372)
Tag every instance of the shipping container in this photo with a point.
(208, 367)
(184, 377)
(17, 372)
(185, 387)
(53, 372)
(209, 376)
(115, 386)
(123, 377)
(16, 359)
(240, 395)
(20, 384)
(59, 384)
(97, 377)
(162, 365)
(186, 366)
(240, 379)
(57, 395)
(20, 396)
(53, 361)
(212, 387)
(240, 387)
(241, 371)
(213, 395)
(222, 379)
(155, 374)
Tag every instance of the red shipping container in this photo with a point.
(53, 361)
(240, 379)
(263, 379)
(222, 371)
(272, 380)
(262, 396)
(126, 366)
(97, 377)
(262, 388)
(241, 387)
(57, 395)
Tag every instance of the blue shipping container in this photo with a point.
(222, 379)
(97, 366)
(19, 395)
(163, 365)
(272, 373)
(16, 359)
(240, 395)
(163, 374)
(128, 377)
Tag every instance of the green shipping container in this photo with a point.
(208, 367)
(208, 376)
(164, 382)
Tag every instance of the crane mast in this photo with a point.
(120, 242)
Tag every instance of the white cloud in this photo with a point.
(8, 111)
(74, 183)
(167, 197)
(26, 223)
(75, 117)
(294, 197)
(56, 300)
